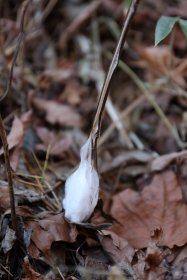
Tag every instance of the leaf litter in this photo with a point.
(139, 229)
(159, 205)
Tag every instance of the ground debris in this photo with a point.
(138, 228)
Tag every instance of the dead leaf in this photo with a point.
(51, 141)
(153, 256)
(159, 205)
(50, 229)
(16, 134)
(72, 93)
(8, 240)
(162, 141)
(162, 162)
(182, 176)
(143, 272)
(58, 113)
(161, 61)
(126, 157)
(117, 247)
(56, 75)
(95, 264)
(150, 263)
(4, 197)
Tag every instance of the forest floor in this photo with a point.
(139, 227)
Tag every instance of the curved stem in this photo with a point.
(95, 131)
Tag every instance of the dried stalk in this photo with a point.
(2, 129)
(9, 174)
(95, 131)
(19, 41)
(99, 78)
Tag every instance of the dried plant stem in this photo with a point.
(9, 175)
(94, 134)
(18, 46)
(124, 114)
(5, 269)
(2, 129)
(49, 7)
(99, 79)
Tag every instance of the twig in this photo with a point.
(49, 7)
(83, 17)
(3, 267)
(19, 41)
(60, 273)
(99, 78)
(3, 131)
(115, 117)
(95, 131)
(9, 175)
(123, 115)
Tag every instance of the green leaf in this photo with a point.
(183, 25)
(164, 27)
(127, 3)
(113, 27)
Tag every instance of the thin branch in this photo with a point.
(94, 134)
(9, 175)
(2, 128)
(99, 79)
(19, 41)
(124, 114)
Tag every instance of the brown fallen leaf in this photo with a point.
(150, 263)
(161, 61)
(158, 59)
(159, 205)
(72, 93)
(95, 264)
(182, 176)
(50, 140)
(154, 267)
(4, 197)
(57, 75)
(50, 229)
(162, 141)
(161, 162)
(156, 272)
(117, 247)
(16, 136)
(128, 156)
(57, 113)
